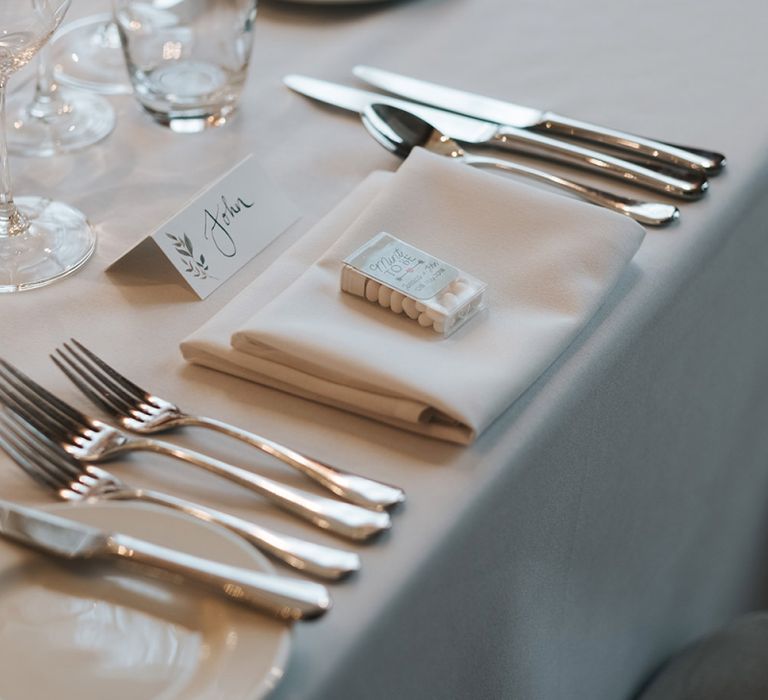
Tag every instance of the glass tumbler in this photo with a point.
(188, 59)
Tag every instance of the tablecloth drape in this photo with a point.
(615, 512)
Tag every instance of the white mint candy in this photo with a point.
(372, 290)
(460, 287)
(449, 300)
(353, 282)
(420, 307)
(434, 314)
(439, 326)
(385, 295)
(396, 302)
(409, 306)
(425, 320)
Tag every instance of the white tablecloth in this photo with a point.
(614, 513)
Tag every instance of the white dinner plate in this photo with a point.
(96, 632)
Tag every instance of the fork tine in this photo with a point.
(136, 391)
(39, 443)
(87, 384)
(33, 391)
(33, 414)
(26, 465)
(18, 451)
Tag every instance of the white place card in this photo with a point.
(222, 228)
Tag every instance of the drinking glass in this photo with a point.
(40, 240)
(89, 56)
(187, 60)
(55, 119)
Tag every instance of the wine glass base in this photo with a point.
(88, 55)
(81, 120)
(58, 242)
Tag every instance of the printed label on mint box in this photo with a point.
(402, 267)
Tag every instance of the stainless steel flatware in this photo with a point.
(139, 411)
(287, 598)
(55, 469)
(400, 131)
(91, 440)
(489, 109)
(467, 130)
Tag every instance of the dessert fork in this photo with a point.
(52, 467)
(139, 411)
(91, 440)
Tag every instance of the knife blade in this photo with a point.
(287, 598)
(507, 113)
(484, 133)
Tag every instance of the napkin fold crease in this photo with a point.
(549, 262)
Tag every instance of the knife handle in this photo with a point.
(687, 185)
(697, 160)
(286, 598)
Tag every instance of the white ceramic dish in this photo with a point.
(97, 632)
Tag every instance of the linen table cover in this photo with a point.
(620, 508)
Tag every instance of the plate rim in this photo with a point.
(279, 662)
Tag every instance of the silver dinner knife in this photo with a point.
(286, 598)
(480, 107)
(485, 133)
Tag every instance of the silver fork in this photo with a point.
(137, 410)
(54, 468)
(91, 440)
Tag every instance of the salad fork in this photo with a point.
(91, 440)
(52, 467)
(141, 412)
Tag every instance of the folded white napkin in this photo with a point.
(549, 262)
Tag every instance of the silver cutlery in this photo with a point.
(286, 598)
(492, 110)
(467, 130)
(137, 410)
(91, 440)
(55, 469)
(400, 131)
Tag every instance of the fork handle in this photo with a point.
(329, 514)
(351, 487)
(308, 557)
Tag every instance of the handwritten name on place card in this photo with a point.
(223, 228)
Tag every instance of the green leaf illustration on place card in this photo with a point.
(195, 267)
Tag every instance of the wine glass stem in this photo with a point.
(46, 102)
(6, 198)
(12, 222)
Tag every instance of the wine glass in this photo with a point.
(40, 240)
(55, 119)
(89, 56)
